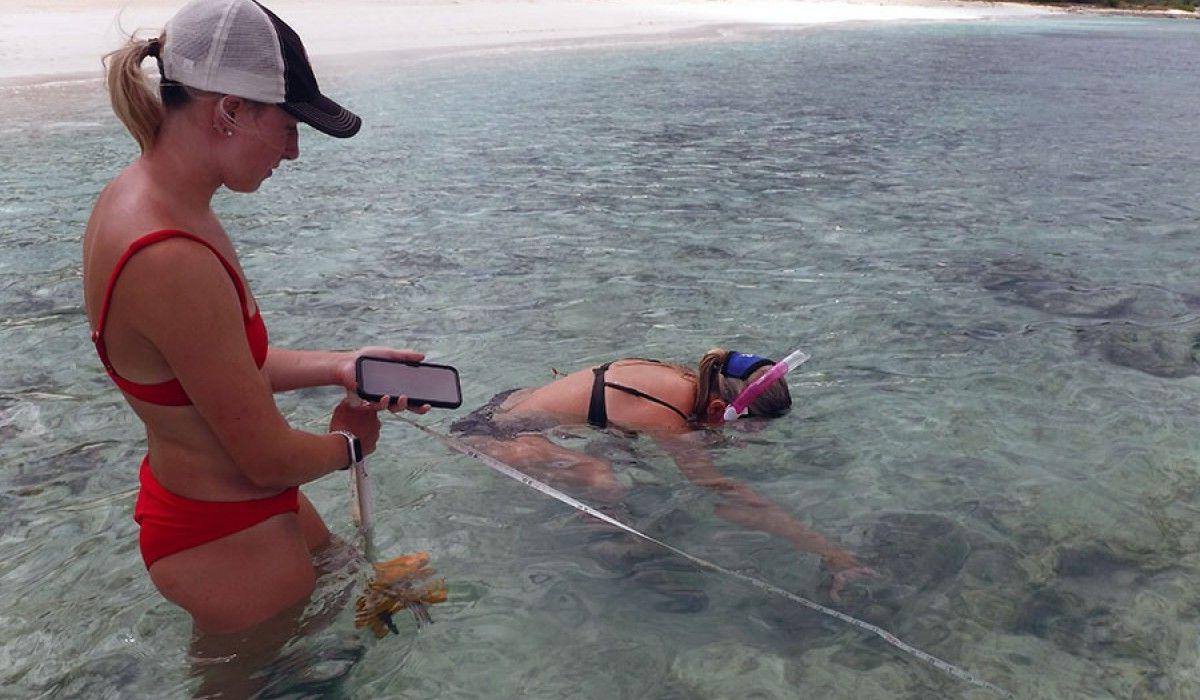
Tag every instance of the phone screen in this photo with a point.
(436, 385)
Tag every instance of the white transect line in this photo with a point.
(944, 666)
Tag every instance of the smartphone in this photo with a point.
(420, 382)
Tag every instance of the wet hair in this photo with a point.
(772, 403)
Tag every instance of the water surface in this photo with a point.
(984, 233)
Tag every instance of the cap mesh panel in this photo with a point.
(225, 46)
(252, 47)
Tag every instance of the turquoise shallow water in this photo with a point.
(984, 233)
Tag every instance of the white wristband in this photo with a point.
(353, 447)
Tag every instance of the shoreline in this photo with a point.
(1081, 8)
(1156, 13)
(83, 30)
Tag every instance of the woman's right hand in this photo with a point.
(361, 418)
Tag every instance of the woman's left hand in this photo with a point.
(841, 578)
(346, 374)
(845, 569)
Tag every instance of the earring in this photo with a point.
(229, 132)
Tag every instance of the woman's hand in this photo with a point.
(361, 418)
(347, 378)
(845, 568)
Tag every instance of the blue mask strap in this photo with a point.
(740, 365)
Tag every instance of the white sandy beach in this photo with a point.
(51, 39)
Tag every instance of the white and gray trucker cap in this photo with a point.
(239, 47)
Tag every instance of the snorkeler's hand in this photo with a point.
(841, 578)
(844, 569)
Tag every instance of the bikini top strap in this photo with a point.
(643, 395)
(140, 244)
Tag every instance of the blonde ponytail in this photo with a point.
(708, 379)
(133, 99)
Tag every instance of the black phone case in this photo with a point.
(412, 400)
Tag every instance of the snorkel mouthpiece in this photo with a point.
(755, 388)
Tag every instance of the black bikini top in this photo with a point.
(597, 408)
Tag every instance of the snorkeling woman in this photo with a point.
(675, 406)
(225, 532)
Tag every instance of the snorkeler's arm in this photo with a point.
(191, 316)
(299, 369)
(741, 505)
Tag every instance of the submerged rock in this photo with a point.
(1092, 560)
(919, 558)
(922, 550)
(678, 585)
(1139, 329)
(1052, 614)
(1020, 280)
(731, 670)
(1095, 607)
(821, 453)
(1163, 352)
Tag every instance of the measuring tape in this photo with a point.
(944, 666)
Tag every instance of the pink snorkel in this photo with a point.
(758, 386)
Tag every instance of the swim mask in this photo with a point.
(740, 365)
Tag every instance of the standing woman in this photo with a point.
(225, 532)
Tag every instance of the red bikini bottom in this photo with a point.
(171, 523)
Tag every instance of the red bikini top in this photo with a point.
(170, 392)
